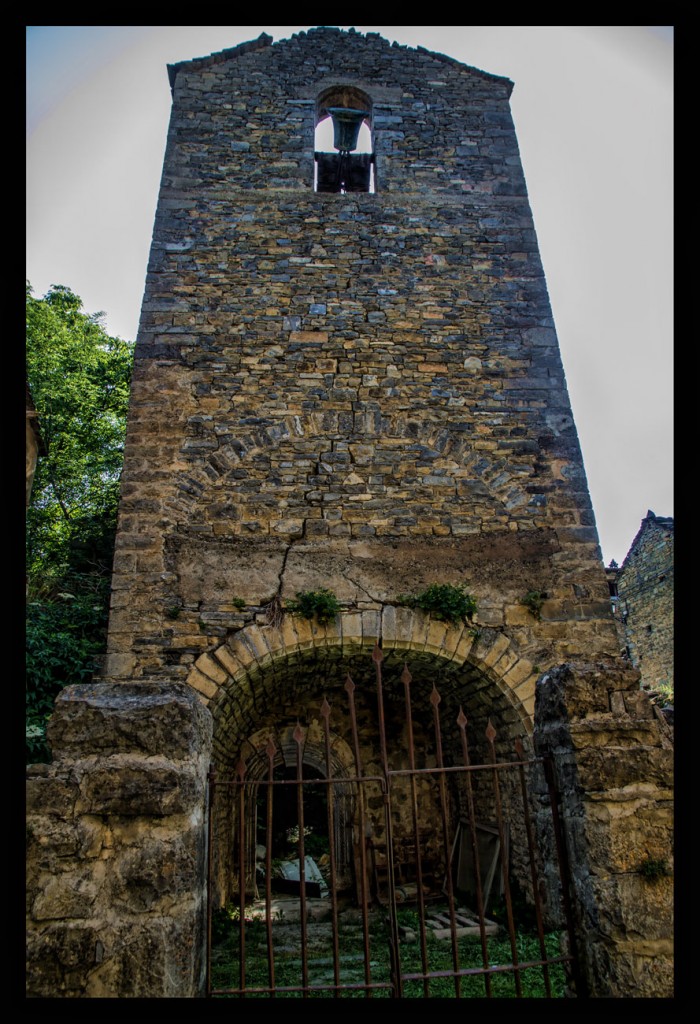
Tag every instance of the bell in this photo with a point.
(346, 127)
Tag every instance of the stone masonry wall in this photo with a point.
(613, 753)
(645, 586)
(357, 391)
(116, 845)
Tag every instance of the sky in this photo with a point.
(593, 112)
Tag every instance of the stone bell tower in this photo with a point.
(347, 374)
(347, 379)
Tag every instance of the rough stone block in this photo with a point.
(491, 649)
(48, 793)
(146, 717)
(437, 632)
(371, 629)
(124, 785)
(208, 667)
(203, 684)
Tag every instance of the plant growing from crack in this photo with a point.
(654, 868)
(444, 601)
(533, 601)
(321, 604)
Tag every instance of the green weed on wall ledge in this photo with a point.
(444, 601)
(319, 604)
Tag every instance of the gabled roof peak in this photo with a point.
(265, 40)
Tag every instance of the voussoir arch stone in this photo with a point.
(254, 650)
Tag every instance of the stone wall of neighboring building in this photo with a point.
(644, 601)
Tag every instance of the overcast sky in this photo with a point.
(593, 111)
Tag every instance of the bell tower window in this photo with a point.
(343, 120)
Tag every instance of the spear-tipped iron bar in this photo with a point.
(490, 736)
(435, 700)
(350, 690)
(271, 750)
(330, 799)
(393, 922)
(406, 680)
(298, 737)
(241, 876)
(481, 910)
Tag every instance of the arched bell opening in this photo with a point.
(343, 148)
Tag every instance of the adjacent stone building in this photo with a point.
(347, 378)
(642, 594)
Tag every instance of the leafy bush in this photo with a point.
(319, 604)
(444, 601)
(79, 380)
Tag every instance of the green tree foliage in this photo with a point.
(79, 378)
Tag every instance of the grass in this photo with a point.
(288, 965)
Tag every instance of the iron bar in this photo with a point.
(481, 910)
(241, 876)
(298, 737)
(271, 750)
(455, 769)
(325, 714)
(435, 700)
(465, 972)
(490, 736)
(406, 679)
(260, 990)
(533, 870)
(377, 657)
(210, 871)
(350, 690)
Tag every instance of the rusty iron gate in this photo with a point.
(268, 948)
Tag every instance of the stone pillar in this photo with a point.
(613, 757)
(116, 845)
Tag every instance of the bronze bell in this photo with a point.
(346, 127)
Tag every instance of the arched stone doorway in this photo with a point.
(266, 680)
(279, 745)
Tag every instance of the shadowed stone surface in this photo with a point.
(116, 844)
(617, 809)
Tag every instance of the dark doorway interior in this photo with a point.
(285, 814)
